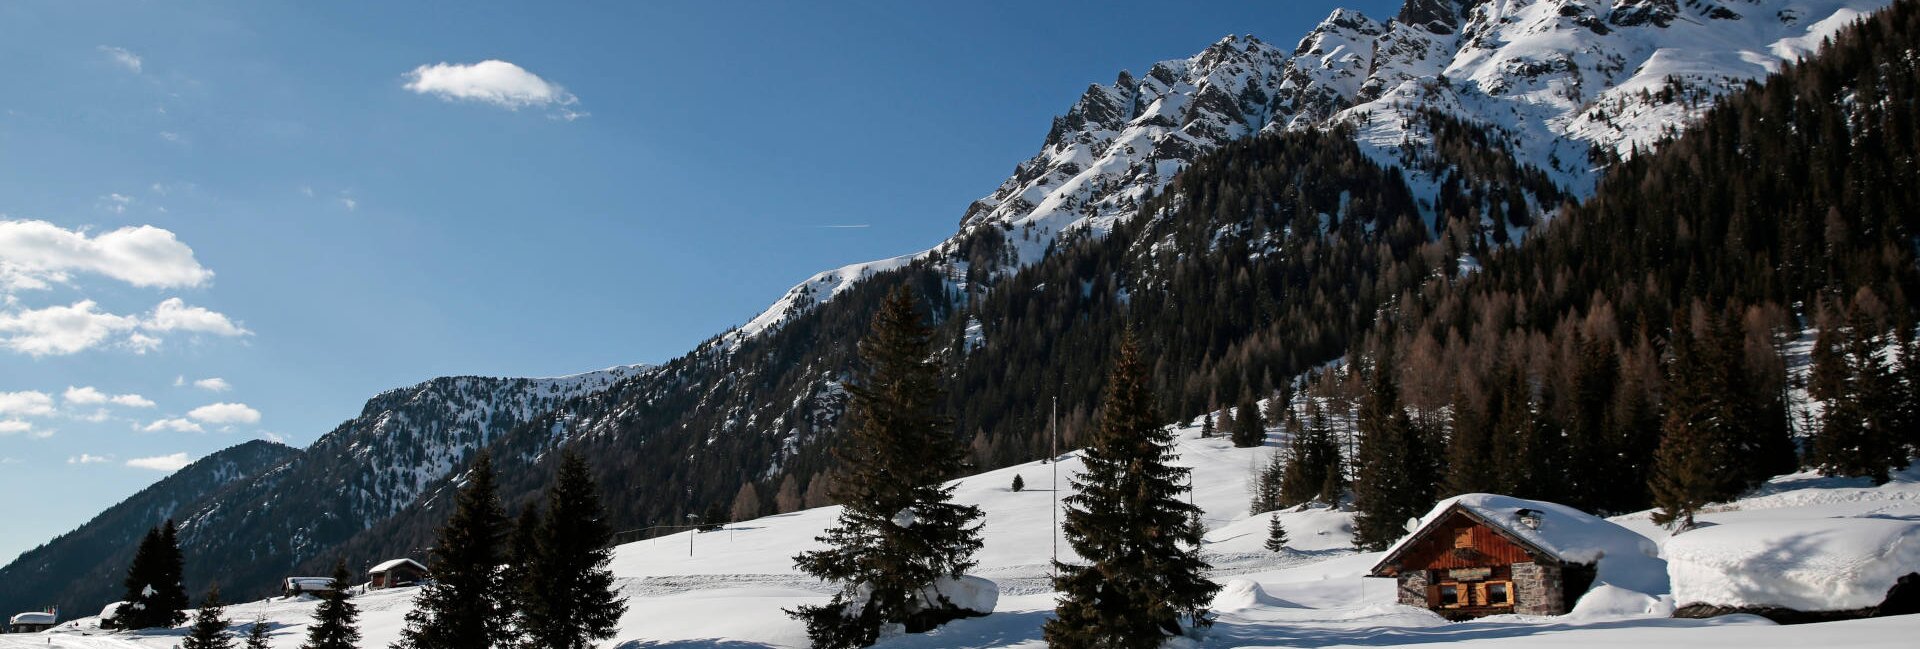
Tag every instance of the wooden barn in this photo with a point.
(32, 622)
(1482, 554)
(396, 573)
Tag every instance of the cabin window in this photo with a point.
(1452, 595)
(1463, 538)
(1496, 593)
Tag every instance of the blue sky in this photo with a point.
(300, 201)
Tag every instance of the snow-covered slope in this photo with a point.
(1552, 79)
(727, 587)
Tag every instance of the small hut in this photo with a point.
(32, 622)
(294, 586)
(1482, 554)
(396, 573)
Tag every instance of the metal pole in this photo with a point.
(1054, 424)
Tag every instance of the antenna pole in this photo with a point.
(1054, 424)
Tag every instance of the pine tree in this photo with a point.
(1266, 483)
(1276, 534)
(258, 634)
(1314, 470)
(1861, 432)
(209, 630)
(1249, 427)
(142, 573)
(569, 598)
(1019, 483)
(465, 606)
(1206, 425)
(899, 530)
(523, 556)
(1695, 453)
(169, 600)
(1394, 480)
(334, 620)
(1127, 519)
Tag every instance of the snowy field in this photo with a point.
(729, 593)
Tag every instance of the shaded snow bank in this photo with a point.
(1826, 564)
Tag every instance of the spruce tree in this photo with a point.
(1127, 519)
(1394, 478)
(899, 529)
(1019, 483)
(1206, 425)
(142, 574)
(334, 620)
(1314, 470)
(258, 634)
(169, 600)
(1693, 462)
(1265, 486)
(1249, 427)
(209, 630)
(523, 553)
(1861, 432)
(1276, 534)
(570, 600)
(465, 606)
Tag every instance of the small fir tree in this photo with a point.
(1019, 483)
(1276, 534)
(465, 606)
(209, 630)
(569, 600)
(259, 633)
(1127, 519)
(1206, 425)
(1314, 471)
(334, 620)
(899, 529)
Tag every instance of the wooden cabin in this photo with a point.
(32, 622)
(1467, 560)
(396, 573)
(295, 586)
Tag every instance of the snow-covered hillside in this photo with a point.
(1551, 79)
(727, 588)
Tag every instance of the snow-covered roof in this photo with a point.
(33, 617)
(1822, 564)
(1624, 558)
(395, 563)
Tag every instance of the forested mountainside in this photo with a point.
(80, 570)
(271, 518)
(1670, 302)
(1251, 211)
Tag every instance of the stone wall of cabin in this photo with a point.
(1413, 588)
(1537, 589)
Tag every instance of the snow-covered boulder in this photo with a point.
(1815, 565)
(968, 593)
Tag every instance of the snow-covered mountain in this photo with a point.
(1561, 83)
(252, 520)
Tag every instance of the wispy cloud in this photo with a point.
(493, 82)
(175, 425)
(213, 384)
(89, 458)
(63, 330)
(91, 396)
(171, 462)
(123, 58)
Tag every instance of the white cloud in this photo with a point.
(349, 203)
(14, 427)
(225, 413)
(493, 82)
(123, 58)
(273, 437)
(26, 404)
(88, 458)
(34, 253)
(59, 330)
(177, 425)
(173, 137)
(173, 462)
(215, 384)
(173, 314)
(89, 395)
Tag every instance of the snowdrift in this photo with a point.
(1824, 564)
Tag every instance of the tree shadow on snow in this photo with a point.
(705, 643)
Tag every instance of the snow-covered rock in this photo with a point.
(1825, 564)
(976, 595)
